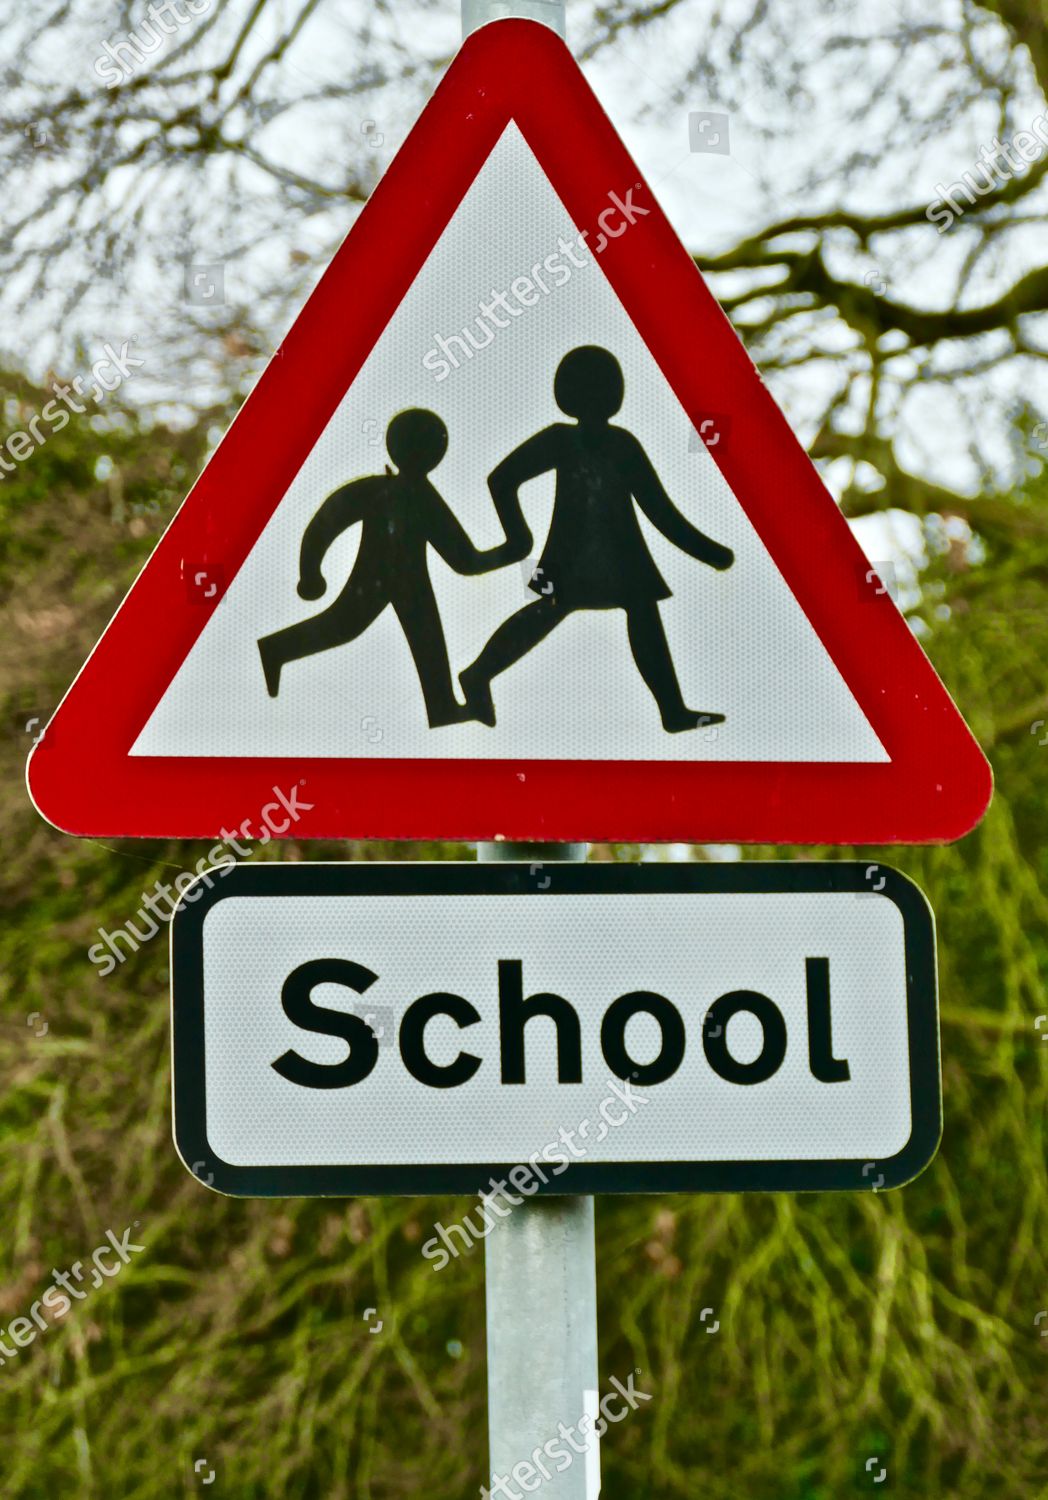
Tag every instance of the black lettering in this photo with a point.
(514, 1014)
(613, 1037)
(716, 1045)
(824, 1066)
(413, 1040)
(299, 1007)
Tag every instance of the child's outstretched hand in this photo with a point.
(311, 586)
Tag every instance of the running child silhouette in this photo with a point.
(595, 555)
(402, 515)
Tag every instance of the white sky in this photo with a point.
(872, 117)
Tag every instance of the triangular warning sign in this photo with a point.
(510, 540)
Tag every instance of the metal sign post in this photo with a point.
(540, 1265)
(541, 1294)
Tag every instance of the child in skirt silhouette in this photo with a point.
(402, 515)
(595, 555)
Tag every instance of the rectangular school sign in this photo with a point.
(429, 1028)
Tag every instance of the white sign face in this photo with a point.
(743, 649)
(343, 1029)
(510, 540)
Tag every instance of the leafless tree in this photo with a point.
(248, 135)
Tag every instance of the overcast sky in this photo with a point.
(813, 123)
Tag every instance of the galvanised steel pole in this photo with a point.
(540, 1260)
(541, 1292)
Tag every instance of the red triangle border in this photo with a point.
(937, 784)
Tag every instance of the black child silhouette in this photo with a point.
(595, 556)
(402, 515)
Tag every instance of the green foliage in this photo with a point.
(900, 1326)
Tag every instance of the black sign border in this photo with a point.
(866, 880)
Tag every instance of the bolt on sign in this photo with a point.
(517, 545)
(569, 1028)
